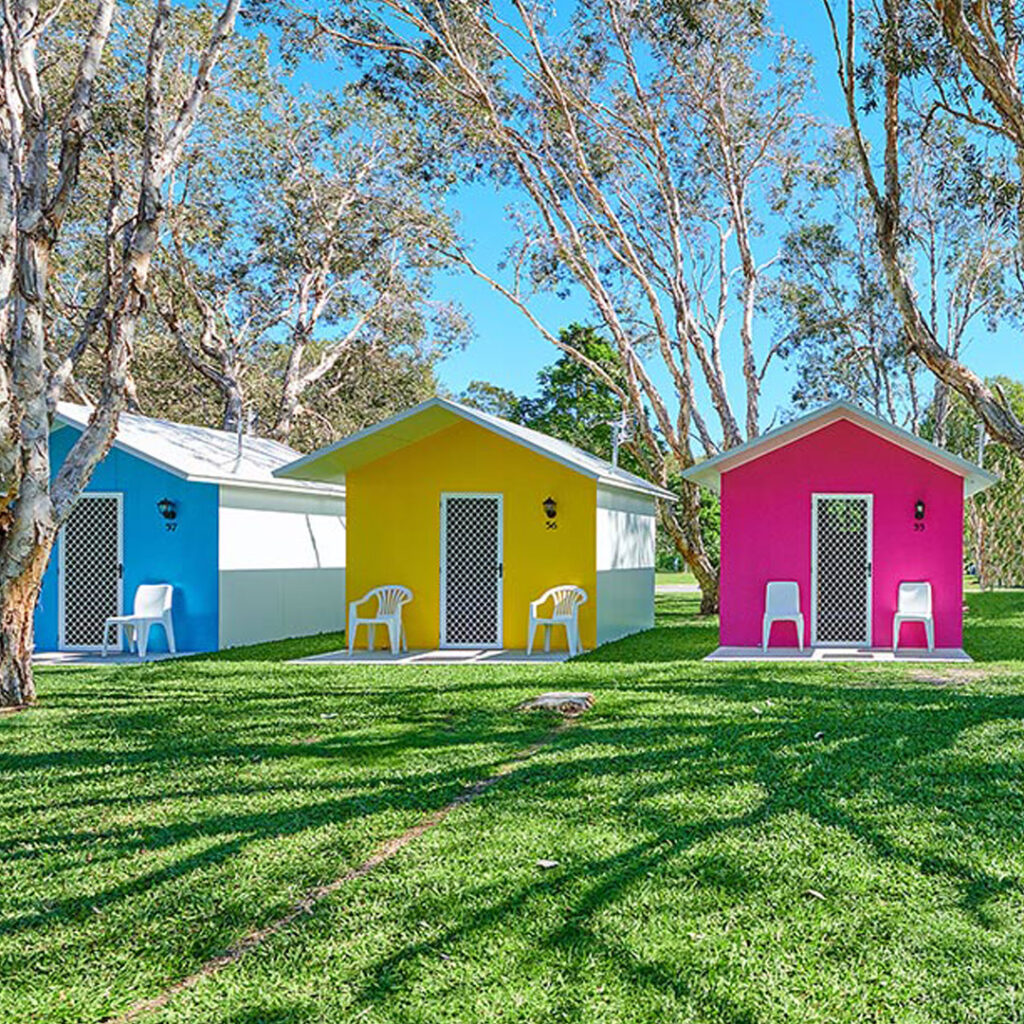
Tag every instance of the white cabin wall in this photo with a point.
(282, 565)
(625, 563)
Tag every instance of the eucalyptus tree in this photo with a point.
(328, 231)
(647, 144)
(842, 327)
(836, 322)
(52, 66)
(927, 64)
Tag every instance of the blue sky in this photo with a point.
(506, 350)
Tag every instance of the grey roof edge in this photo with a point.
(969, 470)
(608, 476)
(653, 490)
(292, 486)
(310, 487)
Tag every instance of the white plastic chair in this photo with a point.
(389, 613)
(782, 604)
(152, 607)
(565, 605)
(914, 604)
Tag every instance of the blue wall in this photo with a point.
(185, 557)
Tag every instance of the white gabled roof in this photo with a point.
(435, 414)
(709, 473)
(200, 454)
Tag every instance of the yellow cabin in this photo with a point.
(478, 517)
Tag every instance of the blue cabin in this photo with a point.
(250, 557)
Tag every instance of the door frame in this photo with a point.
(500, 577)
(62, 572)
(869, 576)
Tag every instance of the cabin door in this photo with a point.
(841, 551)
(471, 570)
(90, 570)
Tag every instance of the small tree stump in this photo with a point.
(569, 704)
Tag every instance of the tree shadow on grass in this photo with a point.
(359, 786)
(893, 738)
(892, 746)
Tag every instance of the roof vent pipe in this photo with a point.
(246, 426)
(620, 429)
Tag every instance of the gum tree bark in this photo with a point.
(994, 67)
(28, 521)
(32, 509)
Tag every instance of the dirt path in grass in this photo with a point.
(307, 904)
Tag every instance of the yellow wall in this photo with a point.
(394, 531)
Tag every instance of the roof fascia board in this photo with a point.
(918, 445)
(292, 486)
(744, 453)
(288, 470)
(455, 410)
(651, 490)
(471, 416)
(537, 449)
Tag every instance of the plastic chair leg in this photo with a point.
(169, 630)
(143, 638)
(547, 639)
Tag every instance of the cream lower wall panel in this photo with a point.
(257, 605)
(625, 602)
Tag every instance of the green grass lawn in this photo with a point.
(736, 843)
(675, 577)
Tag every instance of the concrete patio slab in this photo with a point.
(505, 656)
(819, 654)
(93, 659)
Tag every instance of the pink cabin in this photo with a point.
(852, 510)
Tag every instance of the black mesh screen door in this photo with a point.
(90, 570)
(841, 569)
(471, 570)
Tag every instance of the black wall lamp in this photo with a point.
(919, 509)
(550, 507)
(167, 508)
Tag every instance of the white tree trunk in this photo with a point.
(32, 509)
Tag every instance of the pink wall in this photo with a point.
(766, 531)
